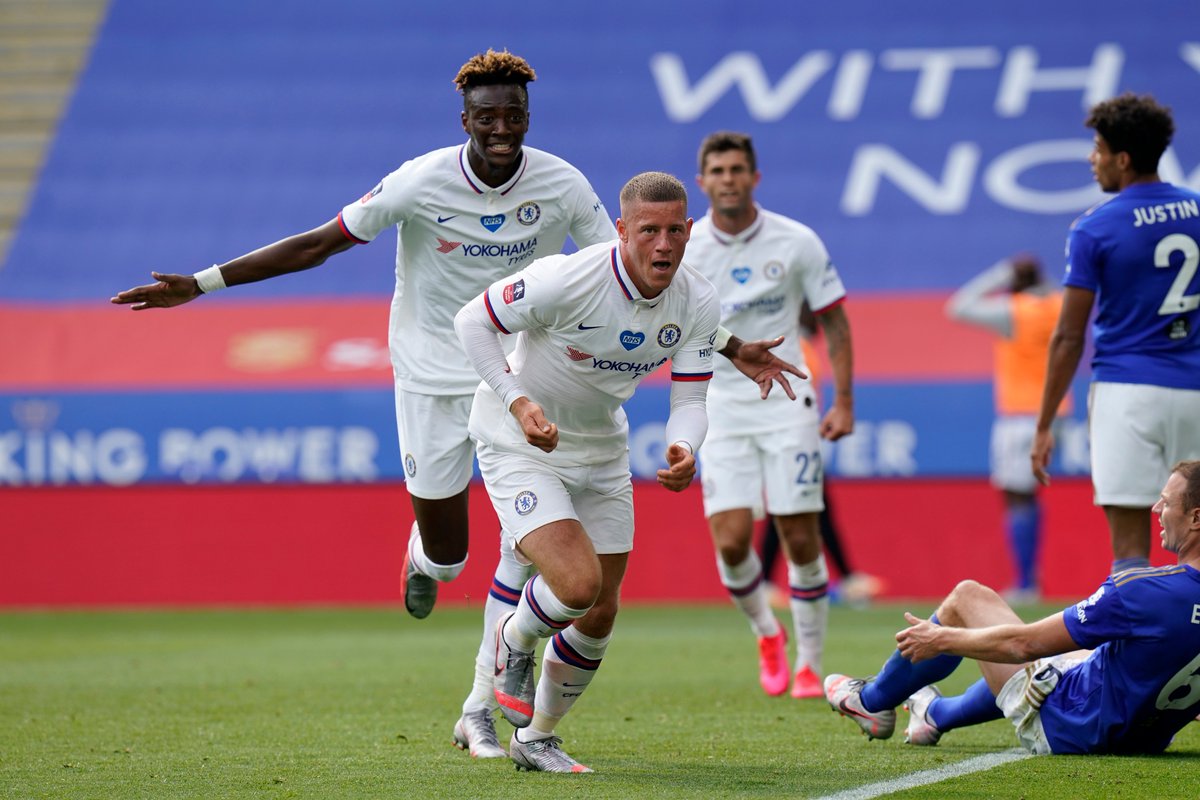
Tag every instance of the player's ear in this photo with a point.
(622, 231)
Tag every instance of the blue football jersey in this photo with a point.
(1139, 252)
(1141, 684)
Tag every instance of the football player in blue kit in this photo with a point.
(1135, 689)
(1135, 258)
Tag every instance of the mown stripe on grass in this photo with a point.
(928, 776)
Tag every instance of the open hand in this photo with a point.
(756, 361)
(171, 290)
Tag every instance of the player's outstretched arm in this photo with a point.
(169, 290)
(999, 644)
(293, 254)
(756, 361)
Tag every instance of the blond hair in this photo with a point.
(653, 187)
(492, 68)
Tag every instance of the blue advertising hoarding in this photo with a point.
(922, 141)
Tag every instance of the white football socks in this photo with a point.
(568, 666)
(539, 615)
(809, 585)
(502, 600)
(439, 572)
(746, 588)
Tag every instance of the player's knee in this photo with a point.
(581, 592)
(733, 553)
(964, 596)
(975, 591)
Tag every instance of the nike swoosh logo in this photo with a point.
(446, 219)
(845, 709)
(589, 327)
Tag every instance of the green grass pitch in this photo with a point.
(360, 703)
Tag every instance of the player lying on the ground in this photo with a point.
(1139, 685)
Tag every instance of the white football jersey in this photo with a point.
(585, 339)
(456, 235)
(762, 276)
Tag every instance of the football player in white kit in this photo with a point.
(553, 439)
(465, 216)
(764, 267)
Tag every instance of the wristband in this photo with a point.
(210, 280)
(723, 337)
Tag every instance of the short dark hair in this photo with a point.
(724, 141)
(494, 69)
(1190, 470)
(1134, 124)
(1027, 272)
(653, 187)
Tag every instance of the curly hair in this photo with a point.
(653, 187)
(724, 141)
(492, 69)
(1134, 124)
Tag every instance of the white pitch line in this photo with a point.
(926, 777)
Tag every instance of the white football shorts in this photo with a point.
(529, 493)
(1021, 698)
(436, 449)
(783, 468)
(1012, 439)
(1138, 432)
